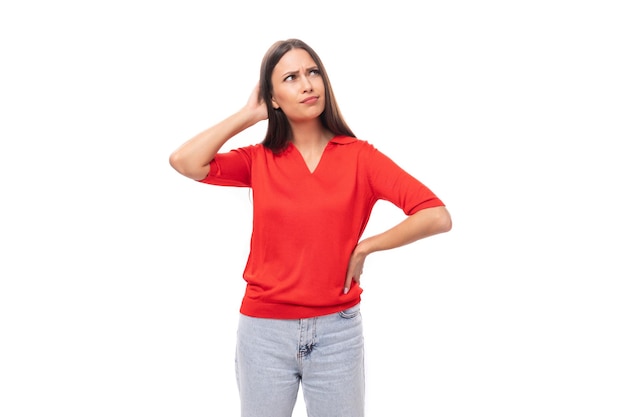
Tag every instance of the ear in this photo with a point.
(275, 104)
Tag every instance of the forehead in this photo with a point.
(294, 60)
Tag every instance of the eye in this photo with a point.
(290, 77)
(314, 71)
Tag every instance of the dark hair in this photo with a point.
(278, 128)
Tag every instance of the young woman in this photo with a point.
(314, 185)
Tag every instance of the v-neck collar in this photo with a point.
(302, 161)
(340, 140)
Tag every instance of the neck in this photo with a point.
(310, 135)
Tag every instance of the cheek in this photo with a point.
(320, 89)
(284, 96)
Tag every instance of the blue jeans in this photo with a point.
(324, 354)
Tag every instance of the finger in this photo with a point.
(347, 284)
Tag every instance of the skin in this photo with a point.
(298, 91)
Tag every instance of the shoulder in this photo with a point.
(358, 147)
(251, 151)
(351, 143)
(256, 148)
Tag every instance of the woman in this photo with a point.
(314, 185)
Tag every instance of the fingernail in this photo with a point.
(345, 290)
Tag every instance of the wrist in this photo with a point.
(365, 247)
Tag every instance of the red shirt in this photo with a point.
(306, 224)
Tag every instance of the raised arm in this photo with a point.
(193, 157)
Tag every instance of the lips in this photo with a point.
(310, 100)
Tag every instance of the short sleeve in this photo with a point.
(231, 168)
(392, 183)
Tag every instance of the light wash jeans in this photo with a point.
(324, 354)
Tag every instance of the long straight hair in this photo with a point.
(278, 128)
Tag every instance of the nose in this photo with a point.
(306, 84)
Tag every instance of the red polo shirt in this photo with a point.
(306, 224)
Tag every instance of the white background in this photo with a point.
(121, 280)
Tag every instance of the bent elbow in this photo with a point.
(182, 167)
(178, 163)
(447, 226)
(174, 161)
(443, 220)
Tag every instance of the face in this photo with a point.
(298, 87)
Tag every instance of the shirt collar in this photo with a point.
(342, 140)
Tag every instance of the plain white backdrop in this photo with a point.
(121, 280)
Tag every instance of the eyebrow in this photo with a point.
(314, 67)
